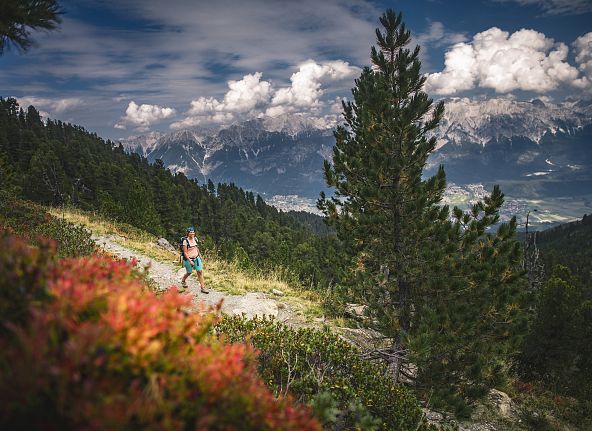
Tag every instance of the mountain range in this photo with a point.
(533, 148)
(280, 155)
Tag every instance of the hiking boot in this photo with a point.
(183, 287)
(204, 290)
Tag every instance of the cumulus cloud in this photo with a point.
(583, 50)
(142, 116)
(557, 7)
(253, 97)
(198, 120)
(525, 60)
(242, 96)
(53, 106)
(306, 83)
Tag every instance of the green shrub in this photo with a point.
(318, 367)
(33, 222)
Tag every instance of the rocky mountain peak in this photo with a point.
(480, 121)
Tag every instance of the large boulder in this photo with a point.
(163, 243)
(502, 402)
(357, 311)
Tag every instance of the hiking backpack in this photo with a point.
(182, 241)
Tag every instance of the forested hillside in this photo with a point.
(569, 244)
(58, 163)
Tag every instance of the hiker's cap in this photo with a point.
(190, 229)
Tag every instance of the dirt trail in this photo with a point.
(168, 275)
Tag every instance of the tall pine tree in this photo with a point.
(412, 261)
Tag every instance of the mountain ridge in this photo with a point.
(485, 141)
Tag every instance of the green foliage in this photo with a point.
(540, 409)
(313, 222)
(570, 245)
(57, 164)
(465, 338)
(445, 292)
(558, 349)
(18, 18)
(103, 352)
(36, 225)
(317, 367)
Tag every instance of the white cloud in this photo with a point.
(306, 83)
(253, 97)
(437, 35)
(458, 74)
(52, 106)
(143, 116)
(525, 60)
(583, 50)
(204, 105)
(243, 96)
(557, 7)
(247, 94)
(198, 120)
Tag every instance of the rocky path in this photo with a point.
(168, 275)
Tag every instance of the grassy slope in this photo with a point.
(220, 275)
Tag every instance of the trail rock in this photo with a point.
(251, 305)
(163, 243)
(502, 401)
(277, 292)
(355, 310)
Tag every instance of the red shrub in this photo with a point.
(106, 353)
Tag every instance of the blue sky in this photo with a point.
(126, 67)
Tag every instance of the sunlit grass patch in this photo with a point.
(227, 277)
(123, 234)
(220, 275)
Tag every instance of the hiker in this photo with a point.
(192, 259)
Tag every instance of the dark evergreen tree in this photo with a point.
(558, 349)
(19, 17)
(414, 266)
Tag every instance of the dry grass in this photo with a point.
(220, 275)
(123, 234)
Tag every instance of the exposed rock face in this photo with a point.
(542, 145)
(282, 155)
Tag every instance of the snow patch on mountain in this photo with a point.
(293, 124)
(480, 121)
(142, 144)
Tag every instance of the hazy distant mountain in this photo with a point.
(533, 148)
(281, 155)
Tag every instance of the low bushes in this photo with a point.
(318, 367)
(32, 221)
(99, 351)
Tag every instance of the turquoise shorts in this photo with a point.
(196, 262)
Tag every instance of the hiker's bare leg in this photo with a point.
(200, 276)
